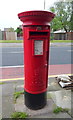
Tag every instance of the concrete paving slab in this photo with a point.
(7, 106)
(52, 115)
(62, 98)
(54, 92)
(0, 102)
(46, 112)
(7, 99)
(53, 85)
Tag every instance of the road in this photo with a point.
(13, 56)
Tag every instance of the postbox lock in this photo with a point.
(46, 28)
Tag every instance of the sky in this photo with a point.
(10, 8)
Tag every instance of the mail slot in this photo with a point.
(36, 33)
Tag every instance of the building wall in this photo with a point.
(0, 35)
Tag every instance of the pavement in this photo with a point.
(56, 96)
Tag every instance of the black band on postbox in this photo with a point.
(35, 101)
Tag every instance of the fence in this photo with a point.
(0, 35)
(62, 36)
(6, 35)
(70, 35)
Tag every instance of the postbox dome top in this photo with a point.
(36, 17)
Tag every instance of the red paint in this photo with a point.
(36, 31)
(36, 17)
(35, 65)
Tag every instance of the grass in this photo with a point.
(19, 115)
(11, 41)
(48, 96)
(59, 109)
(2, 83)
(20, 41)
(61, 41)
(17, 95)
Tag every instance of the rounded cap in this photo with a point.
(36, 17)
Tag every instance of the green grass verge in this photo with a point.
(19, 115)
(11, 41)
(20, 41)
(59, 109)
(61, 41)
(2, 83)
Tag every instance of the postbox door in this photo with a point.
(40, 56)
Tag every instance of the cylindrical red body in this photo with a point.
(36, 33)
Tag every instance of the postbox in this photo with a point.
(36, 34)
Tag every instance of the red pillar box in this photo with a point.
(36, 33)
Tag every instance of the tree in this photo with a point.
(18, 30)
(63, 11)
(71, 20)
